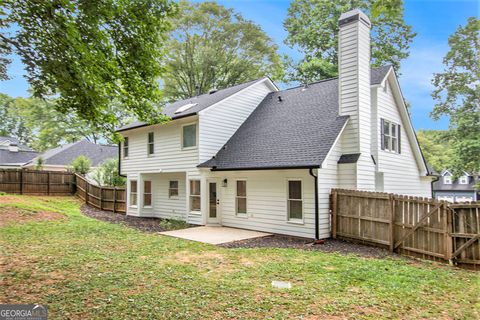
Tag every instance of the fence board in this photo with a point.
(414, 226)
(103, 198)
(36, 182)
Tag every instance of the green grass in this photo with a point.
(84, 268)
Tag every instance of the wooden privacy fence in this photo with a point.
(414, 226)
(36, 182)
(103, 198)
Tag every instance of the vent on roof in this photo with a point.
(185, 107)
(212, 91)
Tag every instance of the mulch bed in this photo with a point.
(330, 245)
(140, 223)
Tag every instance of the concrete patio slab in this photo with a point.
(215, 235)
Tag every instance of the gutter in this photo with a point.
(315, 179)
(214, 168)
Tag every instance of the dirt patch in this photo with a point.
(11, 215)
(330, 245)
(140, 223)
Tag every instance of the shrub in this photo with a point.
(80, 165)
(107, 174)
(39, 163)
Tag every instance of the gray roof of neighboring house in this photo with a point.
(14, 141)
(296, 132)
(202, 102)
(64, 155)
(456, 186)
(16, 158)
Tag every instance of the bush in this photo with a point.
(80, 165)
(106, 175)
(39, 163)
(173, 224)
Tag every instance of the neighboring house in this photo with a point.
(59, 159)
(251, 156)
(13, 154)
(456, 190)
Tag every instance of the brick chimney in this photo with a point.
(354, 92)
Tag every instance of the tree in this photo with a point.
(39, 163)
(80, 165)
(457, 95)
(107, 174)
(213, 47)
(12, 124)
(92, 55)
(312, 27)
(437, 148)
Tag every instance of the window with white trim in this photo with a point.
(173, 189)
(241, 197)
(295, 201)
(189, 136)
(447, 180)
(195, 195)
(133, 192)
(151, 145)
(463, 180)
(147, 193)
(125, 147)
(390, 136)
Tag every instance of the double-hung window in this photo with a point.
(390, 136)
(133, 192)
(147, 193)
(189, 136)
(447, 180)
(295, 200)
(463, 180)
(125, 147)
(195, 195)
(241, 197)
(173, 189)
(151, 146)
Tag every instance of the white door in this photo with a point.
(213, 214)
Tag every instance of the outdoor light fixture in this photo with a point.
(224, 183)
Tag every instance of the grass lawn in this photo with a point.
(84, 268)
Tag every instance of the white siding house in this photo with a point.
(251, 156)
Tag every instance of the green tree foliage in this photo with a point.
(80, 165)
(107, 174)
(312, 27)
(457, 95)
(214, 47)
(39, 163)
(437, 148)
(92, 55)
(38, 124)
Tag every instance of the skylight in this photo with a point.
(185, 107)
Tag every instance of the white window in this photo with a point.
(125, 147)
(390, 136)
(147, 193)
(173, 189)
(295, 202)
(189, 136)
(447, 180)
(195, 195)
(133, 192)
(151, 146)
(241, 197)
(463, 180)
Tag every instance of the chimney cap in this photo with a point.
(353, 16)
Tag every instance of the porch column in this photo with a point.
(140, 194)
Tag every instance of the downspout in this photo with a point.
(315, 179)
(431, 185)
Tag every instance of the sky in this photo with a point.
(433, 20)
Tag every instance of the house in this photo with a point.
(255, 157)
(456, 190)
(59, 159)
(13, 154)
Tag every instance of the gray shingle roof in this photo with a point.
(203, 101)
(19, 158)
(14, 141)
(378, 74)
(63, 155)
(296, 132)
(349, 158)
(455, 186)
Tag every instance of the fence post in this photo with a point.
(114, 198)
(392, 222)
(21, 181)
(101, 198)
(334, 214)
(86, 191)
(448, 232)
(48, 183)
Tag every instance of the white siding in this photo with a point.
(267, 202)
(347, 176)
(401, 172)
(219, 122)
